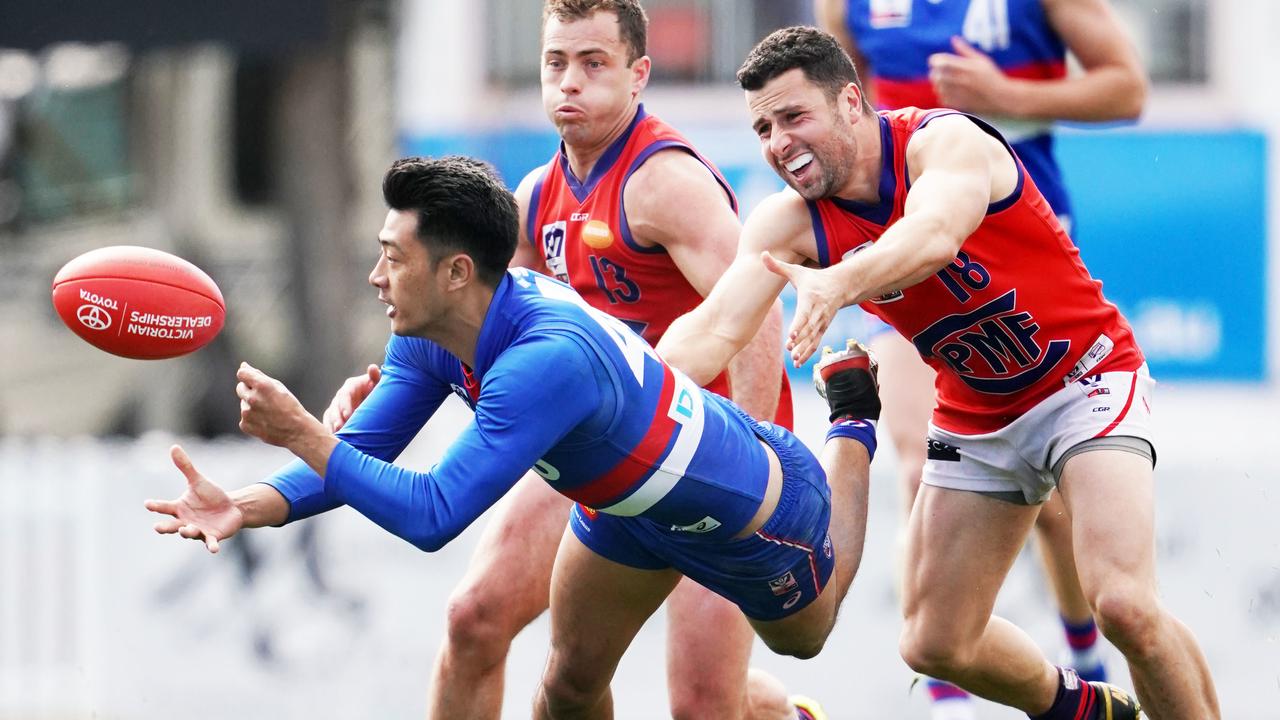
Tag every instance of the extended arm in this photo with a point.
(674, 201)
(1112, 87)
(703, 341)
(522, 412)
(957, 170)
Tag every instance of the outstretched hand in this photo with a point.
(204, 512)
(348, 398)
(818, 297)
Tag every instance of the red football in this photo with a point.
(138, 302)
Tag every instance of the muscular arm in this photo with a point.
(957, 170)
(1112, 86)
(703, 341)
(674, 201)
(527, 255)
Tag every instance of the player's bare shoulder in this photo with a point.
(956, 143)
(783, 225)
(672, 192)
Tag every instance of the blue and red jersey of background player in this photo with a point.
(1010, 320)
(896, 37)
(580, 229)
(559, 387)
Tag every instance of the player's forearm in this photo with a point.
(911, 251)
(261, 505)
(755, 374)
(1103, 94)
(691, 346)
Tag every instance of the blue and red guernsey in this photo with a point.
(559, 387)
(896, 37)
(1015, 315)
(581, 231)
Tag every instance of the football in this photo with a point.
(138, 302)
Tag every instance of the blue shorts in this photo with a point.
(772, 574)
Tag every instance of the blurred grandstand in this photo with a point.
(249, 137)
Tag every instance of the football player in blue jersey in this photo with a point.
(670, 480)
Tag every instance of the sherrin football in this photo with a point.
(138, 302)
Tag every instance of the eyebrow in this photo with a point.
(580, 53)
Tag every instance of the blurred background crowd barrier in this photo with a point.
(249, 136)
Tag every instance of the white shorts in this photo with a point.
(1025, 457)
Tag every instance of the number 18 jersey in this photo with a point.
(1011, 320)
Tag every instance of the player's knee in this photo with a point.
(1130, 618)
(802, 646)
(479, 625)
(931, 652)
(567, 692)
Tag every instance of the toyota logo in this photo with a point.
(94, 317)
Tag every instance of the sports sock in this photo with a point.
(1082, 638)
(1075, 700)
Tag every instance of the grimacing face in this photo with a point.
(404, 275)
(804, 136)
(587, 85)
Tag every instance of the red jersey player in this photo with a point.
(929, 221)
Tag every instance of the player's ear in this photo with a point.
(460, 270)
(640, 74)
(851, 100)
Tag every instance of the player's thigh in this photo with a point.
(960, 546)
(510, 571)
(1110, 496)
(708, 644)
(803, 633)
(907, 394)
(597, 607)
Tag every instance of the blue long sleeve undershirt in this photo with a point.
(537, 391)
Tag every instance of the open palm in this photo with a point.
(203, 512)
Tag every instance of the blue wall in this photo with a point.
(1173, 223)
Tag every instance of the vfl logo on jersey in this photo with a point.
(705, 525)
(993, 348)
(553, 235)
(597, 234)
(1100, 349)
(890, 13)
(783, 585)
(888, 297)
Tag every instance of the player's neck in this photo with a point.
(863, 183)
(583, 158)
(458, 329)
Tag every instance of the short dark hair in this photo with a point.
(818, 54)
(462, 206)
(633, 24)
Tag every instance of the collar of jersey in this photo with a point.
(498, 329)
(582, 189)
